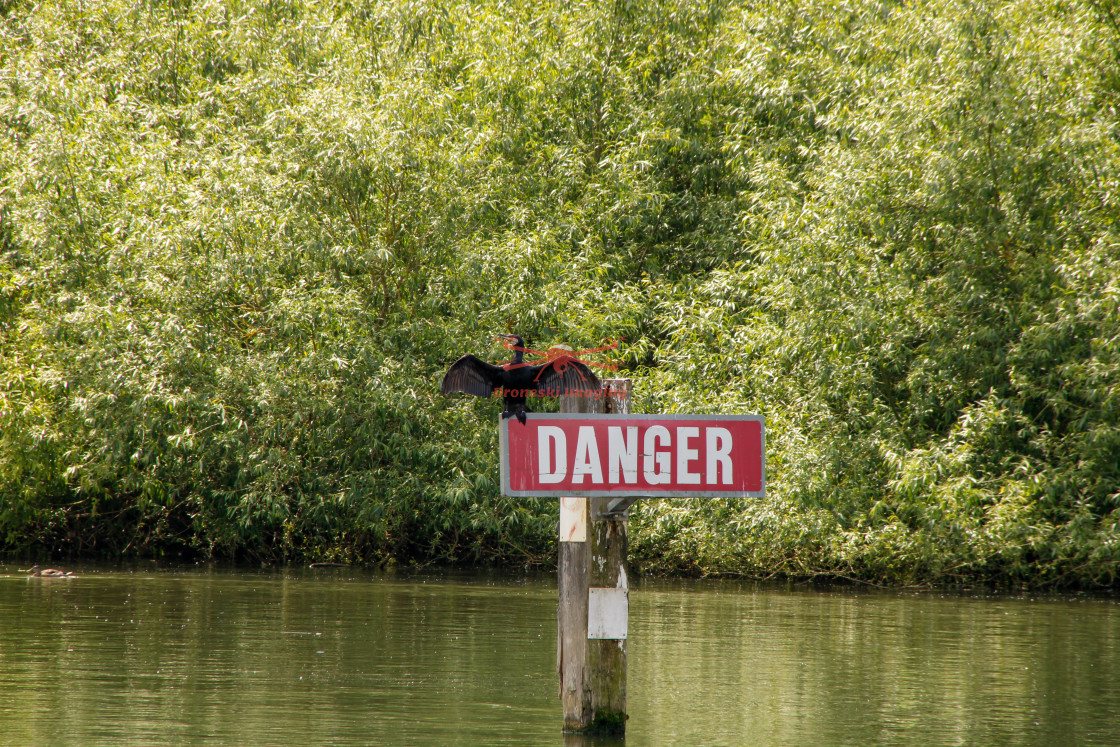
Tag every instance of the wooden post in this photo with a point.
(594, 596)
(571, 616)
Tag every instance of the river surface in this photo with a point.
(341, 657)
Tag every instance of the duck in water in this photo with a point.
(39, 572)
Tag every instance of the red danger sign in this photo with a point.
(634, 455)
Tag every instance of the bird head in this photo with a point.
(511, 341)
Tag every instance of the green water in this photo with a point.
(340, 657)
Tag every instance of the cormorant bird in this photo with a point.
(562, 375)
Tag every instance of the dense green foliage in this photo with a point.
(240, 242)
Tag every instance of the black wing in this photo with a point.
(471, 375)
(566, 376)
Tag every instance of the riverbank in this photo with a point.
(240, 246)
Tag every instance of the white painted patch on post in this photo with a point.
(573, 519)
(608, 612)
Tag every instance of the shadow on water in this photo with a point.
(342, 656)
(579, 740)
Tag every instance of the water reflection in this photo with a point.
(774, 668)
(219, 658)
(338, 657)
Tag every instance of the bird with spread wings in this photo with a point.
(561, 375)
